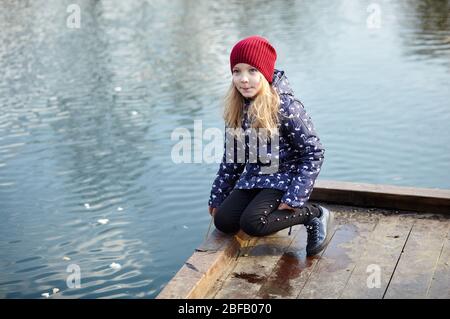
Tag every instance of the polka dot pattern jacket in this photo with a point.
(300, 152)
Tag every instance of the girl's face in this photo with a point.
(247, 80)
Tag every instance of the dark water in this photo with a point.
(86, 117)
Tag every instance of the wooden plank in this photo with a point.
(291, 269)
(294, 269)
(440, 284)
(246, 278)
(329, 277)
(382, 188)
(253, 267)
(383, 196)
(216, 241)
(216, 287)
(414, 272)
(200, 271)
(381, 254)
(244, 242)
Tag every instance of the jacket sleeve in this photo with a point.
(305, 142)
(226, 178)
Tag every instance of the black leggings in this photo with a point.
(255, 211)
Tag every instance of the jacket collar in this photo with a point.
(281, 83)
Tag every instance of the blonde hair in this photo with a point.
(262, 113)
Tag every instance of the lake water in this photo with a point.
(86, 116)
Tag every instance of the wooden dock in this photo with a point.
(392, 242)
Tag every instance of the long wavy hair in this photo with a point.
(263, 110)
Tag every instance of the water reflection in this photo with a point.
(425, 30)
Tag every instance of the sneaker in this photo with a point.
(319, 232)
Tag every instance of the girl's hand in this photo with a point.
(283, 206)
(212, 211)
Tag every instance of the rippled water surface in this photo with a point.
(86, 117)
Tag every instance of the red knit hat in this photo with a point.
(257, 52)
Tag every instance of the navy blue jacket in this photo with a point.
(301, 155)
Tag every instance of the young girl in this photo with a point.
(243, 195)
